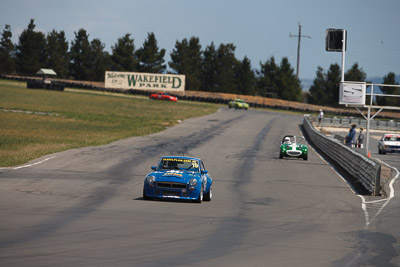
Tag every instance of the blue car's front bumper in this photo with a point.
(171, 190)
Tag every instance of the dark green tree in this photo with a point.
(186, 59)
(278, 81)
(267, 78)
(150, 57)
(7, 62)
(56, 53)
(245, 77)
(209, 69)
(30, 50)
(355, 74)
(100, 60)
(123, 54)
(226, 62)
(287, 83)
(333, 78)
(325, 88)
(316, 93)
(389, 79)
(80, 67)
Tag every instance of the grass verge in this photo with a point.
(34, 123)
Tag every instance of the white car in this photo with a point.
(389, 143)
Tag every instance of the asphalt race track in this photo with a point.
(84, 207)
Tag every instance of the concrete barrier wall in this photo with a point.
(358, 166)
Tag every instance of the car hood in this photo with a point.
(175, 176)
(294, 145)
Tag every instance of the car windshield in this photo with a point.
(179, 164)
(392, 138)
(293, 140)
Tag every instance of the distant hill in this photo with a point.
(306, 84)
(379, 80)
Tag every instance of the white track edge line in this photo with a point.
(30, 165)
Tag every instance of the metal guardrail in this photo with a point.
(358, 166)
(385, 125)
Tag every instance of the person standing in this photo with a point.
(361, 138)
(320, 117)
(351, 137)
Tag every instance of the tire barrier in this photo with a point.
(39, 84)
(361, 168)
(220, 100)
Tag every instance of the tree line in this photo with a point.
(212, 69)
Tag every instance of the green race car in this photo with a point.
(238, 104)
(293, 147)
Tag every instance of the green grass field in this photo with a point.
(35, 122)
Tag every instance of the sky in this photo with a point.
(259, 29)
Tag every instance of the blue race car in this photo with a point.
(179, 178)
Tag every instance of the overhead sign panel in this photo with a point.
(144, 81)
(334, 40)
(352, 93)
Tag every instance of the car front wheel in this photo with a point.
(200, 198)
(208, 195)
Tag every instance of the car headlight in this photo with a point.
(150, 179)
(193, 182)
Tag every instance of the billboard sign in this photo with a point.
(144, 81)
(352, 93)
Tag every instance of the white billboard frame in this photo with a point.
(144, 81)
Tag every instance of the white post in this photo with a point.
(368, 120)
(343, 53)
(367, 141)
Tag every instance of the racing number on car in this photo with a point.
(195, 164)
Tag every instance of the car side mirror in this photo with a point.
(153, 168)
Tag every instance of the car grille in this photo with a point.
(171, 185)
(170, 193)
(294, 153)
(167, 193)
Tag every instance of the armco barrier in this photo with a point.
(359, 167)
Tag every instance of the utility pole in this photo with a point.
(298, 48)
